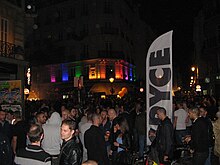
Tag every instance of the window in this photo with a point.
(110, 71)
(92, 72)
(84, 11)
(70, 33)
(108, 24)
(72, 72)
(47, 20)
(58, 16)
(108, 7)
(108, 46)
(218, 34)
(121, 15)
(85, 51)
(126, 21)
(72, 13)
(4, 30)
(19, 4)
(85, 30)
(60, 36)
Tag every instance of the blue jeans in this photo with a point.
(208, 160)
(141, 139)
(179, 135)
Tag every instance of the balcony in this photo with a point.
(111, 54)
(10, 50)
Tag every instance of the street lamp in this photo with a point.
(111, 80)
(141, 90)
(193, 68)
(194, 77)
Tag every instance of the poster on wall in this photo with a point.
(10, 95)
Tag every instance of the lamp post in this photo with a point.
(111, 80)
(195, 71)
(194, 77)
(193, 68)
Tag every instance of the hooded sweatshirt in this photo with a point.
(52, 141)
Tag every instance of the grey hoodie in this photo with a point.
(52, 140)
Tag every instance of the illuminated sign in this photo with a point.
(28, 76)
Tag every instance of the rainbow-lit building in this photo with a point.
(93, 39)
(57, 80)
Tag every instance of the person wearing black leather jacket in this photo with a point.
(5, 150)
(70, 153)
(164, 137)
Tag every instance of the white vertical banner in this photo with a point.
(159, 79)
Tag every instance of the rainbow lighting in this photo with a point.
(52, 74)
(131, 74)
(65, 76)
(126, 72)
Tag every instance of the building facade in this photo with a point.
(12, 59)
(59, 80)
(67, 31)
(207, 47)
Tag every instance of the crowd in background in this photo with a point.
(108, 131)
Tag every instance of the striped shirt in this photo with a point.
(32, 155)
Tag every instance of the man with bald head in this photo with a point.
(33, 153)
(112, 115)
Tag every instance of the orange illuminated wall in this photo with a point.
(102, 71)
(97, 71)
(92, 72)
(118, 71)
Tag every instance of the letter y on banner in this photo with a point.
(159, 79)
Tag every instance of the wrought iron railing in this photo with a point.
(10, 50)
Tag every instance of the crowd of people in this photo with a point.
(108, 132)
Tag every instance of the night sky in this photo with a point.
(166, 15)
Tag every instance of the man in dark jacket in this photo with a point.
(203, 113)
(199, 137)
(140, 126)
(5, 150)
(70, 151)
(5, 126)
(95, 142)
(19, 132)
(33, 153)
(164, 137)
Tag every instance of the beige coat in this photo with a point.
(216, 129)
